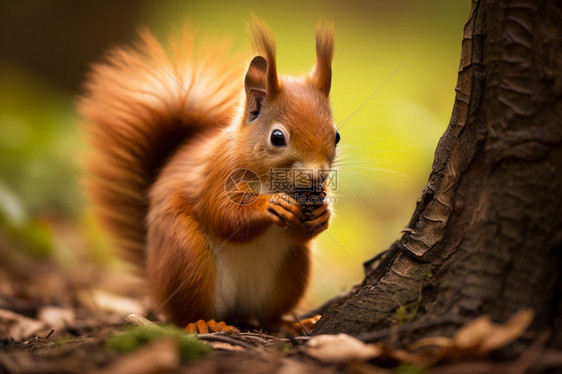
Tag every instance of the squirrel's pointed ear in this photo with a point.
(322, 72)
(264, 45)
(255, 86)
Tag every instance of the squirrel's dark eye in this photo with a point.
(278, 138)
(337, 137)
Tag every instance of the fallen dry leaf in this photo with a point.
(97, 299)
(340, 348)
(133, 320)
(55, 317)
(481, 336)
(159, 357)
(504, 334)
(18, 327)
(225, 346)
(478, 337)
(475, 339)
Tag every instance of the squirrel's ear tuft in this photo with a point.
(264, 44)
(322, 72)
(255, 86)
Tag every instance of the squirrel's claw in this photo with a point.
(301, 327)
(306, 219)
(204, 327)
(317, 220)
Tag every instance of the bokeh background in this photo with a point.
(393, 84)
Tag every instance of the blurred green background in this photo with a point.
(393, 84)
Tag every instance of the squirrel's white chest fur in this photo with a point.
(247, 273)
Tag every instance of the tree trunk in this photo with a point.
(486, 235)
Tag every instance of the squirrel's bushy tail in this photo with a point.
(140, 105)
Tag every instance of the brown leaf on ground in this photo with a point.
(340, 348)
(136, 320)
(55, 317)
(225, 346)
(159, 357)
(104, 301)
(18, 327)
(478, 337)
(475, 339)
(484, 336)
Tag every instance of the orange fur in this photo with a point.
(162, 152)
(137, 113)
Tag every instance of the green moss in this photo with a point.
(62, 341)
(133, 338)
(405, 314)
(405, 368)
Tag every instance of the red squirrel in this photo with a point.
(169, 126)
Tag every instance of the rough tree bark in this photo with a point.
(486, 235)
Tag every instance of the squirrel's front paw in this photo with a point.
(316, 218)
(284, 211)
(302, 220)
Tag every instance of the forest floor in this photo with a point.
(57, 320)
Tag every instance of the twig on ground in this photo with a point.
(225, 339)
(49, 334)
(303, 327)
